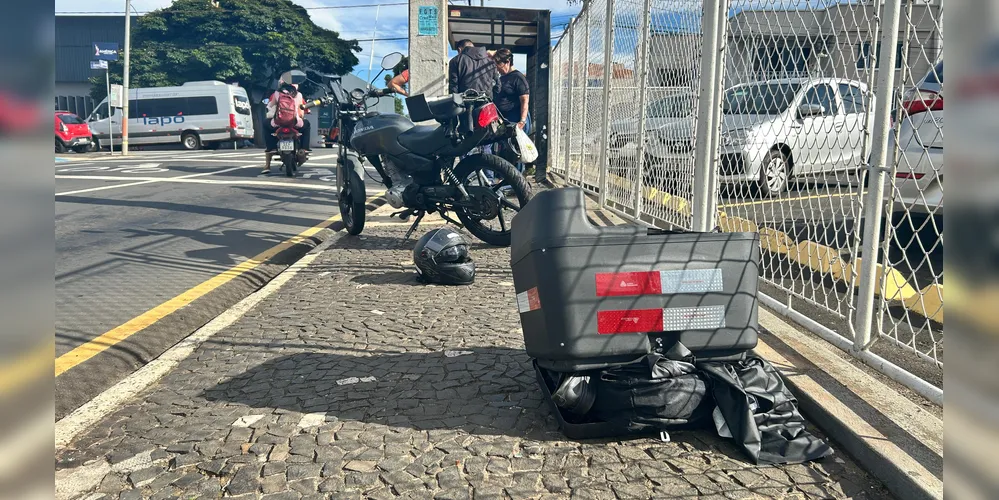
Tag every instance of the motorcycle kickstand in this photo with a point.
(416, 223)
(449, 220)
(403, 215)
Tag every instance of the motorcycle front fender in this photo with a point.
(352, 161)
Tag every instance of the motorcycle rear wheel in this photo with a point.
(511, 189)
(352, 201)
(288, 160)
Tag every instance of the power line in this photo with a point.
(237, 45)
(325, 7)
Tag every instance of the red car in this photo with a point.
(71, 133)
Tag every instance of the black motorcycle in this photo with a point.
(427, 168)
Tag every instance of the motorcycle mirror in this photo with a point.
(295, 77)
(392, 60)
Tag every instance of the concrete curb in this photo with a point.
(897, 441)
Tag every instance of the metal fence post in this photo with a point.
(711, 210)
(608, 76)
(643, 94)
(873, 206)
(706, 125)
(586, 84)
(567, 127)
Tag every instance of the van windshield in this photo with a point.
(760, 99)
(99, 113)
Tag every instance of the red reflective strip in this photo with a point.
(533, 300)
(636, 321)
(624, 284)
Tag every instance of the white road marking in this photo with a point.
(312, 420)
(355, 380)
(72, 482)
(247, 420)
(323, 157)
(145, 180)
(148, 180)
(117, 395)
(180, 161)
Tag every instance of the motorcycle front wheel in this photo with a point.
(352, 201)
(507, 191)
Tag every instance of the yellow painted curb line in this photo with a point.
(826, 260)
(775, 241)
(737, 225)
(135, 325)
(928, 303)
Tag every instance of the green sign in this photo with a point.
(428, 21)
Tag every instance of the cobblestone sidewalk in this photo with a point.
(355, 381)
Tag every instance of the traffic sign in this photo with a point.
(115, 96)
(100, 64)
(107, 51)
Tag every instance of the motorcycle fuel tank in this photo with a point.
(379, 134)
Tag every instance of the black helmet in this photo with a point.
(575, 394)
(441, 257)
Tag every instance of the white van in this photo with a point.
(194, 114)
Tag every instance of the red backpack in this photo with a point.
(287, 110)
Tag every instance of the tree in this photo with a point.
(249, 42)
(399, 68)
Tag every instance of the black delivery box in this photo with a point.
(591, 297)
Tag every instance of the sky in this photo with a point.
(352, 23)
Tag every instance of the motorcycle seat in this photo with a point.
(424, 140)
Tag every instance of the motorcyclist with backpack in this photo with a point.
(284, 109)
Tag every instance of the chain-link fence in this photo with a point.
(817, 124)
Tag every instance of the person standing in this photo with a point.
(514, 97)
(472, 69)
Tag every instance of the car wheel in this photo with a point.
(774, 174)
(60, 147)
(190, 141)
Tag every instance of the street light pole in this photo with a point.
(124, 90)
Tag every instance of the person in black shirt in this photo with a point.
(472, 69)
(514, 94)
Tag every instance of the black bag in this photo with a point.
(652, 394)
(757, 410)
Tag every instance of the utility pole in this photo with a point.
(374, 34)
(124, 90)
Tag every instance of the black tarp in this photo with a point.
(746, 400)
(755, 408)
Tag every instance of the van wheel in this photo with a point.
(60, 147)
(774, 174)
(190, 141)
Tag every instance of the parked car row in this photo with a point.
(771, 132)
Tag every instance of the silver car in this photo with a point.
(623, 141)
(918, 143)
(775, 130)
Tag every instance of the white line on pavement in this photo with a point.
(297, 185)
(312, 420)
(149, 180)
(114, 397)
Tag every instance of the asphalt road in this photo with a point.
(136, 237)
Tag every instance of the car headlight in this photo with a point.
(735, 137)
